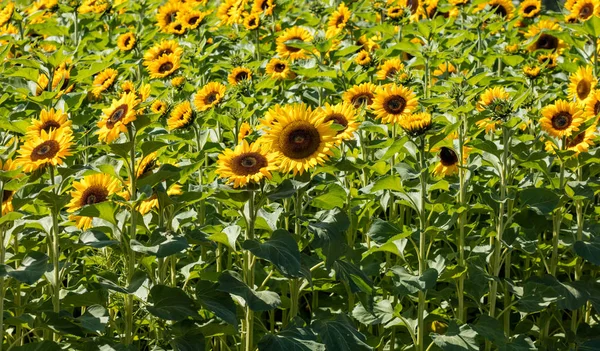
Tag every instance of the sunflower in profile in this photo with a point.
(6, 13)
(177, 81)
(392, 103)
(503, 8)
(238, 75)
(103, 81)
(247, 163)
(582, 141)
(548, 60)
(585, 9)
(47, 148)
(230, 11)
(264, 6)
(159, 106)
(181, 116)
(531, 71)
(344, 116)
(164, 66)
(360, 95)
(126, 41)
(338, 20)
(561, 118)
(390, 69)
(416, 124)
(279, 69)
(60, 80)
(530, 8)
(209, 96)
(252, 21)
(7, 195)
(544, 41)
(148, 164)
(165, 47)
(491, 97)
(245, 130)
(92, 189)
(592, 105)
(115, 119)
(363, 58)
(448, 164)
(167, 13)
(127, 87)
(292, 53)
(488, 124)
(190, 18)
(49, 120)
(582, 84)
(301, 138)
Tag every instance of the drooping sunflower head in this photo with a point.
(530, 8)
(148, 164)
(164, 66)
(496, 100)
(562, 118)
(252, 21)
(159, 106)
(115, 119)
(448, 164)
(245, 130)
(165, 47)
(544, 41)
(582, 83)
(181, 116)
(344, 119)
(394, 102)
(247, 163)
(289, 52)
(416, 124)
(503, 8)
(390, 69)
(360, 95)
(238, 75)
(49, 120)
(592, 104)
(92, 189)
(49, 148)
(103, 81)
(126, 41)
(301, 138)
(209, 96)
(279, 69)
(585, 9)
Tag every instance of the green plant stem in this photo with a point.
(422, 246)
(55, 251)
(461, 221)
(2, 254)
(557, 219)
(595, 44)
(579, 262)
(294, 283)
(249, 273)
(131, 254)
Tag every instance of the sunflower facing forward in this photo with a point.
(92, 189)
(301, 137)
(165, 47)
(492, 98)
(126, 41)
(289, 52)
(238, 75)
(448, 164)
(115, 119)
(390, 69)
(343, 115)
(582, 83)
(393, 102)
(181, 116)
(164, 66)
(49, 120)
(561, 118)
(503, 8)
(247, 163)
(544, 41)
(530, 8)
(209, 96)
(360, 95)
(279, 69)
(585, 9)
(47, 148)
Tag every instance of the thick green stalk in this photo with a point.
(557, 219)
(2, 248)
(579, 262)
(130, 253)
(294, 283)
(461, 221)
(249, 273)
(55, 251)
(422, 245)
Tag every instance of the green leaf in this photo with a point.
(390, 182)
(281, 250)
(382, 313)
(333, 196)
(171, 303)
(217, 302)
(228, 236)
(165, 172)
(352, 275)
(590, 251)
(340, 335)
(491, 329)
(381, 231)
(542, 201)
(456, 338)
(167, 245)
(407, 283)
(330, 228)
(592, 26)
(286, 189)
(231, 282)
(45, 345)
(104, 210)
(295, 339)
(96, 239)
(94, 319)
(193, 340)
(32, 268)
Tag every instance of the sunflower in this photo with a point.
(230, 11)
(209, 96)
(416, 9)
(503, 8)
(344, 115)
(245, 130)
(177, 81)
(191, 19)
(582, 141)
(92, 189)
(301, 137)
(416, 124)
(294, 33)
(360, 95)
(60, 80)
(49, 120)
(585, 9)
(165, 47)
(531, 71)
(7, 195)
(390, 69)
(458, 2)
(272, 116)
(147, 165)
(369, 44)
(167, 13)
(363, 58)
(569, 5)
(448, 164)
(247, 163)
(279, 69)
(126, 41)
(488, 124)
(264, 6)
(562, 118)
(128, 87)
(176, 27)
(115, 119)
(491, 96)
(47, 148)
(164, 66)
(181, 116)
(6, 13)
(252, 21)
(571, 18)
(152, 202)
(338, 20)
(544, 41)
(592, 105)
(530, 8)
(582, 84)
(103, 81)
(159, 106)
(392, 103)
(238, 75)
(548, 60)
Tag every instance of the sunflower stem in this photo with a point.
(294, 283)
(557, 218)
(422, 245)
(579, 262)
(595, 44)
(249, 272)
(461, 219)
(131, 254)
(2, 248)
(55, 250)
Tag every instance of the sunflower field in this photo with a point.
(299, 175)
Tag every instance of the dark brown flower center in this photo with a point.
(361, 99)
(117, 115)
(529, 9)
(264, 5)
(252, 22)
(279, 67)
(562, 120)
(178, 27)
(248, 163)
(583, 89)
(165, 67)
(391, 73)
(586, 11)
(499, 10)
(241, 76)
(193, 20)
(448, 157)
(414, 5)
(547, 42)
(339, 20)
(49, 125)
(597, 108)
(127, 41)
(340, 119)
(165, 52)
(394, 104)
(299, 140)
(147, 168)
(210, 98)
(45, 150)
(93, 195)
(291, 49)
(6, 194)
(572, 142)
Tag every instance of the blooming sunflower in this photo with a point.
(177, 81)
(127, 87)
(147, 165)
(92, 189)
(115, 119)
(592, 105)
(569, 5)
(492, 96)
(245, 130)
(582, 141)
(544, 41)
(239, 74)
(159, 107)
(561, 118)
(530, 8)
(585, 9)
(164, 66)
(531, 71)
(60, 80)
(416, 124)
(264, 6)
(360, 95)
(504, 8)
(209, 96)
(390, 69)
(49, 120)
(448, 164)
(548, 60)
(230, 11)
(488, 124)
(167, 13)
(392, 103)
(6, 13)
(103, 81)
(363, 58)
(252, 21)
(582, 83)
(279, 69)
(47, 148)
(415, 7)
(126, 41)
(165, 47)
(247, 163)
(190, 18)
(7, 195)
(301, 138)
(294, 33)
(342, 114)
(338, 20)
(181, 116)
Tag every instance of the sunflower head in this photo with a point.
(289, 52)
(548, 60)
(126, 41)
(530, 8)
(49, 120)
(390, 69)
(181, 117)
(245, 130)
(545, 40)
(247, 163)
(279, 69)
(159, 106)
(448, 164)
(592, 105)
(582, 141)
(238, 75)
(392, 103)
(147, 165)
(103, 81)
(344, 119)
(582, 83)
(561, 118)
(338, 20)
(416, 124)
(165, 47)
(164, 66)
(585, 9)
(209, 96)
(49, 148)
(92, 189)
(496, 101)
(531, 71)
(115, 119)
(252, 21)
